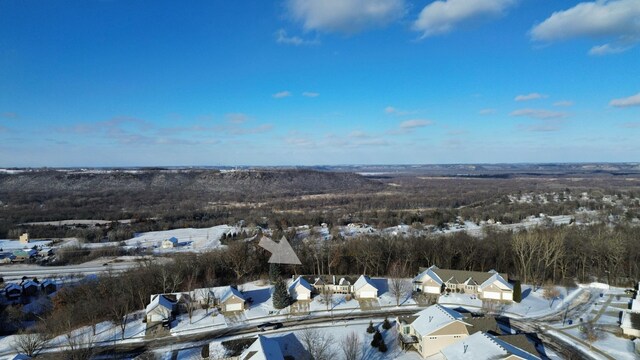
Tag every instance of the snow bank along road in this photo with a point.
(16, 272)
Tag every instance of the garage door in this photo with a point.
(368, 294)
(303, 296)
(491, 295)
(432, 289)
(234, 307)
(507, 296)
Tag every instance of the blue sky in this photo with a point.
(309, 82)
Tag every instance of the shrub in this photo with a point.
(382, 347)
(386, 324)
(371, 329)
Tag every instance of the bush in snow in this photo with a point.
(371, 329)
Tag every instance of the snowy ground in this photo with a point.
(11, 245)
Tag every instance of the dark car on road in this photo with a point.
(269, 326)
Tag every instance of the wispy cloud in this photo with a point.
(531, 96)
(415, 123)
(310, 94)
(345, 16)
(283, 38)
(359, 134)
(443, 16)
(10, 115)
(395, 111)
(282, 94)
(631, 125)
(487, 111)
(236, 118)
(563, 103)
(613, 19)
(546, 127)
(633, 100)
(539, 114)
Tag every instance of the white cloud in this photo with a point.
(281, 94)
(283, 38)
(415, 123)
(359, 134)
(310, 94)
(394, 111)
(487, 111)
(539, 114)
(614, 19)
(607, 49)
(345, 16)
(633, 100)
(443, 16)
(532, 96)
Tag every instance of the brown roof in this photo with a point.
(407, 319)
(520, 341)
(461, 276)
(484, 324)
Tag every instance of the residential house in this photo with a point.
(170, 243)
(364, 288)
(24, 254)
(275, 348)
(484, 346)
(24, 238)
(30, 287)
(431, 330)
(160, 309)
(232, 300)
(487, 286)
(630, 322)
(48, 286)
(300, 290)
(12, 291)
(331, 283)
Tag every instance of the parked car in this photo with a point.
(269, 326)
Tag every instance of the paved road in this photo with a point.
(17, 271)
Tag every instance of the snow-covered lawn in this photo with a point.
(11, 245)
(617, 347)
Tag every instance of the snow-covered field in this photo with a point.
(11, 245)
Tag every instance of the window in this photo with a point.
(407, 330)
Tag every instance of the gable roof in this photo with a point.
(460, 276)
(433, 318)
(362, 281)
(160, 300)
(263, 348)
(12, 286)
(230, 292)
(300, 281)
(496, 277)
(483, 346)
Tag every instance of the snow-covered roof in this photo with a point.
(12, 286)
(433, 318)
(229, 292)
(496, 277)
(635, 305)
(344, 281)
(30, 283)
(263, 348)
(48, 282)
(430, 273)
(173, 240)
(483, 346)
(160, 300)
(362, 281)
(300, 281)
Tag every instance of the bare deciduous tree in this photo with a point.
(399, 286)
(351, 346)
(318, 344)
(30, 343)
(589, 332)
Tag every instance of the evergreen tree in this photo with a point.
(517, 291)
(274, 273)
(371, 329)
(377, 339)
(386, 324)
(204, 353)
(281, 298)
(383, 347)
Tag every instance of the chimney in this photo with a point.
(430, 318)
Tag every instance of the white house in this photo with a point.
(300, 289)
(490, 285)
(432, 329)
(364, 288)
(630, 322)
(232, 300)
(170, 243)
(160, 309)
(484, 346)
